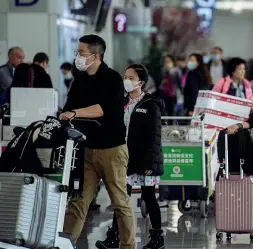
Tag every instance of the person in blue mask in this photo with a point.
(198, 78)
(217, 66)
(206, 57)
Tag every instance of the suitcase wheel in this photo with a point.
(219, 236)
(229, 237)
(19, 242)
(251, 238)
(63, 188)
(185, 206)
(203, 208)
(29, 180)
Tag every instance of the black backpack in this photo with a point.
(240, 151)
(20, 154)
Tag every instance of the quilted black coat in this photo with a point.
(144, 137)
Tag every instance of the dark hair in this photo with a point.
(25, 73)
(11, 50)
(181, 58)
(141, 71)
(96, 44)
(41, 57)
(218, 48)
(66, 66)
(203, 68)
(172, 57)
(233, 63)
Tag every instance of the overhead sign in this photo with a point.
(205, 10)
(28, 5)
(119, 22)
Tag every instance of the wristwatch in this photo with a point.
(240, 125)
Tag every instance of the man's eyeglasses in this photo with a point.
(80, 53)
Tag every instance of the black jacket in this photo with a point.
(22, 76)
(106, 89)
(194, 82)
(144, 137)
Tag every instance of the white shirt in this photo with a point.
(216, 71)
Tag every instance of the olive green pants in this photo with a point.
(109, 165)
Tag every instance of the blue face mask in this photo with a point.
(206, 59)
(190, 65)
(215, 58)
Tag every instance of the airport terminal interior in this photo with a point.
(191, 59)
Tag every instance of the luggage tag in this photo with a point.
(76, 185)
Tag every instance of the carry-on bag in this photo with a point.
(29, 207)
(32, 208)
(233, 199)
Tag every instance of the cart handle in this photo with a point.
(84, 120)
(200, 117)
(76, 135)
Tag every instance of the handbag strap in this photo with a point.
(31, 77)
(223, 85)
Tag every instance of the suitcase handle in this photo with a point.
(222, 164)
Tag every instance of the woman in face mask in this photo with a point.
(143, 122)
(235, 83)
(198, 78)
(171, 86)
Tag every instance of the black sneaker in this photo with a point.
(111, 241)
(156, 239)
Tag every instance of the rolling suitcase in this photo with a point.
(233, 201)
(29, 207)
(32, 208)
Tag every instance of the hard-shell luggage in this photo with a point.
(32, 208)
(233, 200)
(29, 207)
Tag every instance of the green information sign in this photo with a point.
(182, 163)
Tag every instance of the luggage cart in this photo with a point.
(187, 172)
(62, 241)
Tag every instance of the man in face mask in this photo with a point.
(98, 93)
(66, 68)
(217, 65)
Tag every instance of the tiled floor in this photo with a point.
(181, 231)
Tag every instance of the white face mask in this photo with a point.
(131, 86)
(68, 76)
(80, 62)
